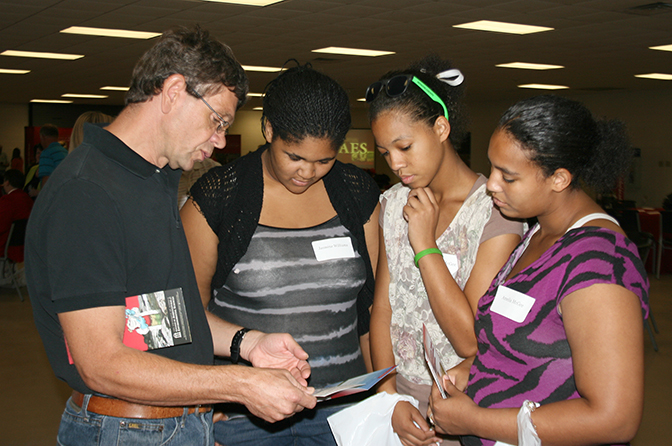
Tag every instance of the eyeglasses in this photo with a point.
(397, 85)
(222, 125)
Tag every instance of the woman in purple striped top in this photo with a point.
(560, 328)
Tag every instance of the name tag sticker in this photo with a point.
(333, 248)
(512, 304)
(451, 263)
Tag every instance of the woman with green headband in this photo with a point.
(443, 241)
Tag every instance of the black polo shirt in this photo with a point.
(106, 226)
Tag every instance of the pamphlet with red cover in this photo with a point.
(156, 320)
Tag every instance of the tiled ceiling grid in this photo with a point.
(602, 43)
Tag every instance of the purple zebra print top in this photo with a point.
(532, 360)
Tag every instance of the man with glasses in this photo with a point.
(107, 229)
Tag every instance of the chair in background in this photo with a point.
(665, 238)
(629, 221)
(16, 237)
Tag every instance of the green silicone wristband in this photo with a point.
(424, 252)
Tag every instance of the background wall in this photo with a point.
(248, 125)
(13, 119)
(648, 115)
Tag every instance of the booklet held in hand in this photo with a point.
(357, 384)
(433, 361)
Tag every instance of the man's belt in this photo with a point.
(123, 409)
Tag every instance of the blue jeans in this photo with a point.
(307, 428)
(82, 428)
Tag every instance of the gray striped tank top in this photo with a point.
(280, 286)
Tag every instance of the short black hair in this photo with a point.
(303, 102)
(49, 130)
(418, 105)
(557, 132)
(15, 177)
(205, 63)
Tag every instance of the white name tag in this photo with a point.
(451, 263)
(512, 304)
(333, 248)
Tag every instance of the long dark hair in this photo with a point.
(557, 132)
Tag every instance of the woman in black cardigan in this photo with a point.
(285, 239)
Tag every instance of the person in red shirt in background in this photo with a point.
(17, 161)
(15, 204)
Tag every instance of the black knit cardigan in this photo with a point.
(230, 198)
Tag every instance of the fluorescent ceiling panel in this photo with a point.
(113, 88)
(657, 76)
(544, 86)
(246, 2)
(39, 55)
(86, 96)
(10, 71)
(261, 69)
(258, 108)
(255, 95)
(51, 101)
(503, 27)
(661, 47)
(106, 32)
(352, 51)
(529, 66)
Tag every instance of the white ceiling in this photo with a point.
(602, 43)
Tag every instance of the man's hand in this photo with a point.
(277, 351)
(273, 394)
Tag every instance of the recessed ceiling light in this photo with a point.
(106, 32)
(39, 55)
(258, 108)
(51, 101)
(247, 2)
(86, 96)
(255, 95)
(661, 47)
(352, 51)
(657, 76)
(544, 86)
(112, 88)
(10, 71)
(503, 27)
(262, 69)
(529, 66)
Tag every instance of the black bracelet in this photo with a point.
(235, 344)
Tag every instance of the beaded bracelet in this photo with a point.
(424, 252)
(235, 344)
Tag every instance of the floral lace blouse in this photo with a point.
(407, 294)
